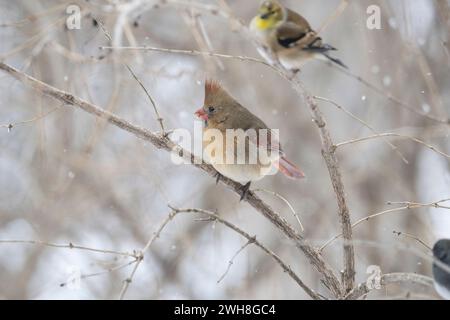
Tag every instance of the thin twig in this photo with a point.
(67, 246)
(43, 32)
(364, 123)
(337, 12)
(191, 53)
(215, 217)
(289, 78)
(410, 236)
(391, 278)
(436, 204)
(279, 196)
(212, 9)
(388, 134)
(150, 98)
(10, 126)
(141, 253)
(407, 206)
(201, 35)
(109, 270)
(390, 97)
(35, 16)
(235, 24)
(230, 263)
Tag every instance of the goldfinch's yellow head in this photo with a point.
(270, 14)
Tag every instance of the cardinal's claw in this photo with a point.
(218, 176)
(245, 189)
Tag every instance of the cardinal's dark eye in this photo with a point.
(211, 109)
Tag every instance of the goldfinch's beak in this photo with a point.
(200, 113)
(265, 16)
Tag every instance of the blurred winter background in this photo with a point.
(66, 177)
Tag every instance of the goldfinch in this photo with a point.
(288, 36)
(224, 118)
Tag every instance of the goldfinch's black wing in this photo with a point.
(290, 35)
(296, 32)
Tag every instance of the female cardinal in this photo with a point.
(224, 119)
(288, 36)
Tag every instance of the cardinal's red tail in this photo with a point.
(289, 169)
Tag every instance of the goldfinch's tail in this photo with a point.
(323, 50)
(335, 60)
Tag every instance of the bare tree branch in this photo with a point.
(161, 142)
(230, 263)
(391, 278)
(215, 217)
(10, 126)
(393, 99)
(279, 196)
(407, 206)
(191, 53)
(364, 123)
(133, 74)
(410, 236)
(67, 246)
(141, 254)
(331, 160)
(254, 241)
(396, 135)
(109, 270)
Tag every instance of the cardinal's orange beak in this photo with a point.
(200, 113)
